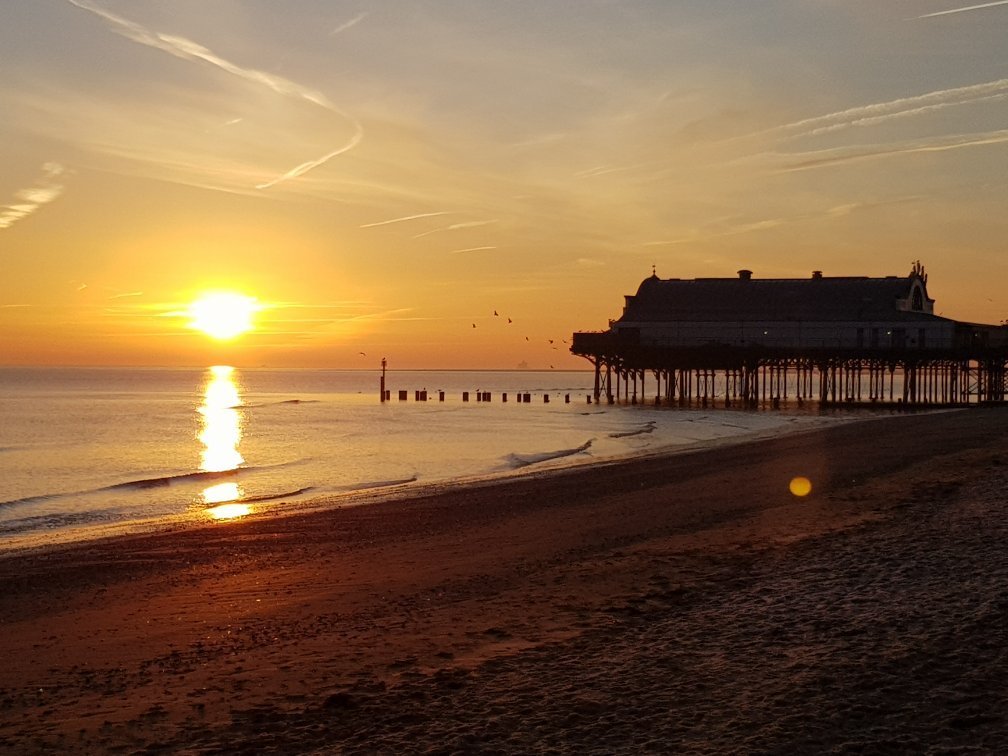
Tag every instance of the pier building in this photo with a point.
(839, 340)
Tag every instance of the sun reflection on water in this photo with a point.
(229, 511)
(220, 433)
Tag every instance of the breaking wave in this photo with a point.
(649, 428)
(516, 461)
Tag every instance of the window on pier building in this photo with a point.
(917, 301)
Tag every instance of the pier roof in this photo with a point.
(819, 298)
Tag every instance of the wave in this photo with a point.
(276, 403)
(271, 496)
(33, 499)
(516, 461)
(138, 485)
(167, 480)
(54, 521)
(377, 484)
(648, 428)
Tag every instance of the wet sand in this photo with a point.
(687, 603)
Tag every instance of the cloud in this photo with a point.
(456, 227)
(348, 24)
(837, 156)
(741, 228)
(879, 112)
(186, 49)
(404, 218)
(964, 9)
(44, 190)
(470, 249)
(302, 169)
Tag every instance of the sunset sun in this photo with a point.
(223, 315)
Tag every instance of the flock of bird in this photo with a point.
(551, 342)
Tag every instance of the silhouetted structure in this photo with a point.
(840, 340)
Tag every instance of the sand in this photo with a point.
(686, 603)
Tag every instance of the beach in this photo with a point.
(684, 602)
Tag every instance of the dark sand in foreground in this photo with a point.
(681, 604)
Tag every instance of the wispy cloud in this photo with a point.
(348, 24)
(824, 158)
(300, 170)
(963, 9)
(456, 227)
(44, 190)
(470, 249)
(875, 113)
(715, 233)
(186, 49)
(404, 219)
(733, 227)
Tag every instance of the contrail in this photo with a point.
(963, 10)
(188, 50)
(311, 164)
(348, 24)
(872, 120)
(404, 218)
(902, 105)
(455, 227)
(825, 158)
(470, 249)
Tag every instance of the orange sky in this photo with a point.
(382, 180)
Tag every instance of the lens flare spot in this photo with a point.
(800, 486)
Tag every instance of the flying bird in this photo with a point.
(495, 314)
(509, 321)
(362, 354)
(474, 325)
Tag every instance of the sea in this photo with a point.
(93, 452)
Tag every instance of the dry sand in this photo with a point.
(681, 604)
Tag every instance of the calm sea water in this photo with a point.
(86, 452)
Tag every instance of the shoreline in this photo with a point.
(557, 461)
(685, 601)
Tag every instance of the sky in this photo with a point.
(463, 184)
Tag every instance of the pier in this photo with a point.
(851, 341)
